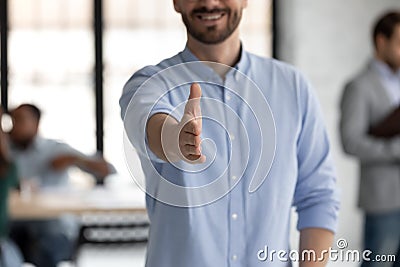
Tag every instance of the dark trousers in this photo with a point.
(43, 243)
(382, 237)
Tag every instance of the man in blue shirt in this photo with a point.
(225, 164)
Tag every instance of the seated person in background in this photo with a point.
(9, 254)
(47, 161)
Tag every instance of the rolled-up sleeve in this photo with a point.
(316, 195)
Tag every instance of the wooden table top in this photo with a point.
(51, 203)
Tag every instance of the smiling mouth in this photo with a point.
(210, 17)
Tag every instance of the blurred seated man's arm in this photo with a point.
(96, 166)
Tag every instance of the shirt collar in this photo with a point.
(384, 70)
(241, 65)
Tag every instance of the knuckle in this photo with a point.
(192, 124)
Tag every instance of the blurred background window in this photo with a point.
(51, 57)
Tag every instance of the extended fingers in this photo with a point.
(190, 139)
(193, 126)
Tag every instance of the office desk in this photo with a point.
(47, 204)
(107, 215)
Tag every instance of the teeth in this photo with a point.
(211, 17)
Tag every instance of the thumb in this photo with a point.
(195, 91)
(193, 104)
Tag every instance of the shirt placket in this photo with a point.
(236, 214)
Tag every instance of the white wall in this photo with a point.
(330, 41)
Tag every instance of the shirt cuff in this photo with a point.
(318, 216)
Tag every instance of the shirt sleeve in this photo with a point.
(316, 196)
(144, 95)
(60, 148)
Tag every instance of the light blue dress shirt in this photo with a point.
(232, 229)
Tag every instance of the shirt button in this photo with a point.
(234, 216)
(232, 137)
(228, 97)
(234, 257)
(234, 177)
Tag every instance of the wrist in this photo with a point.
(79, 161)
(170, 140)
